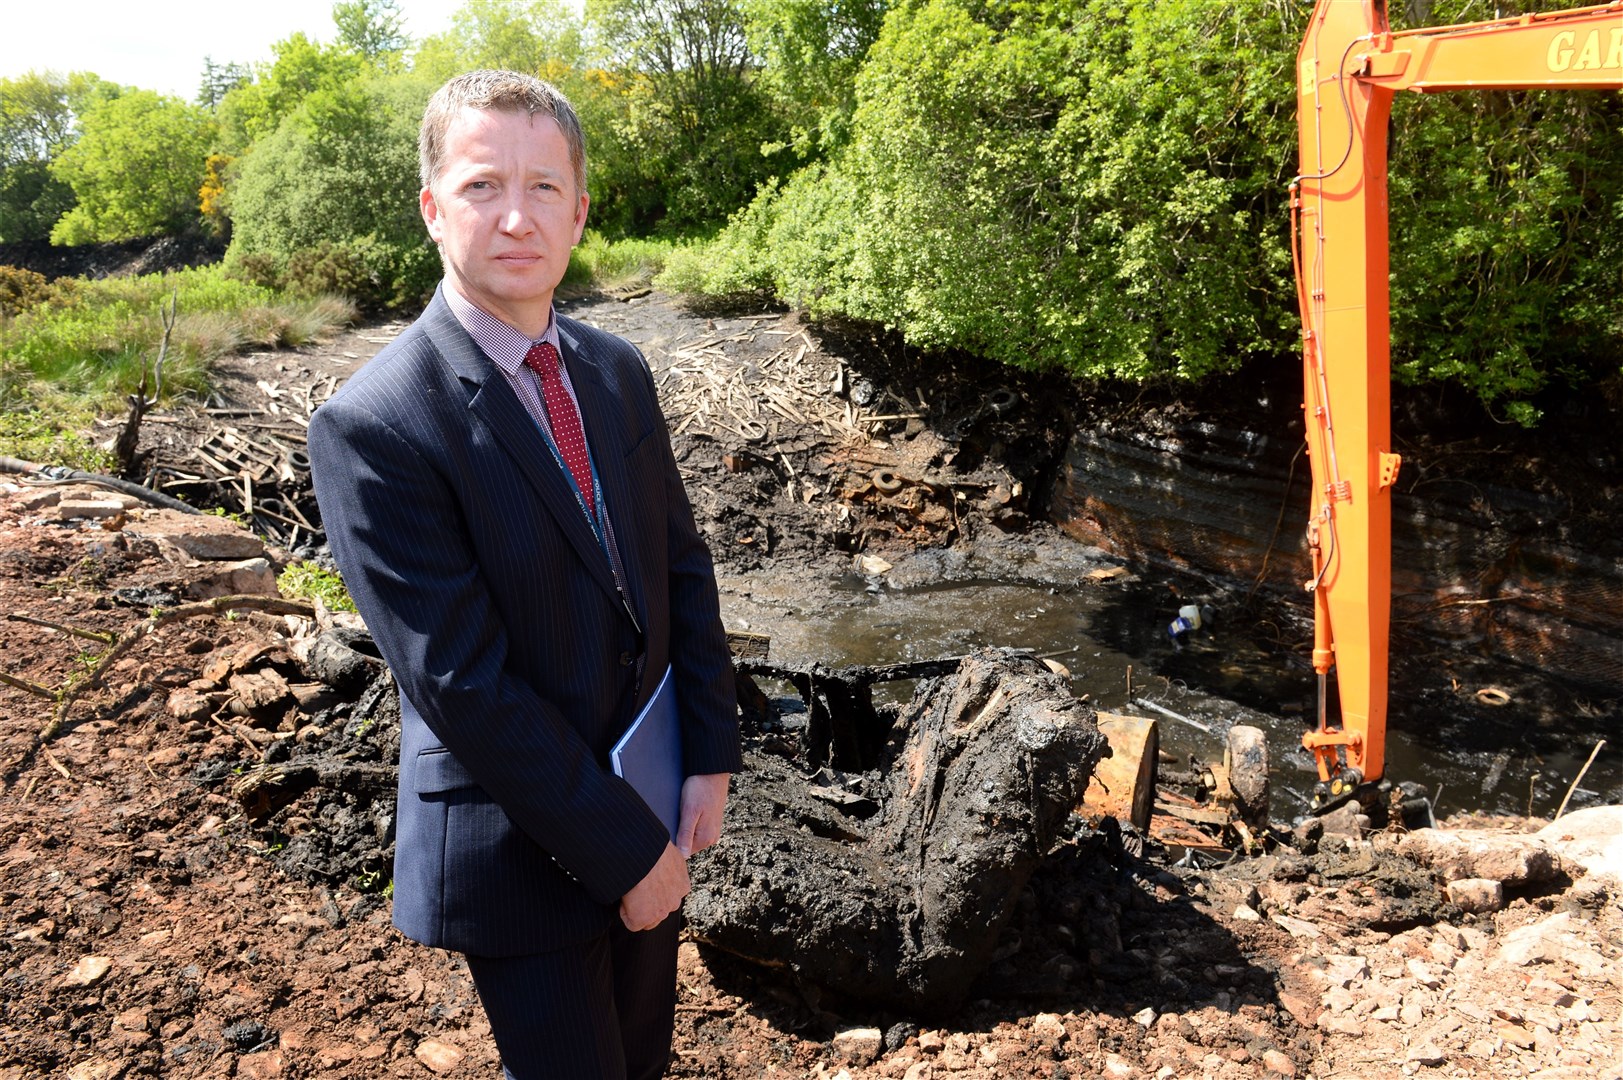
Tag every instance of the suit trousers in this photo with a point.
(600, 1010)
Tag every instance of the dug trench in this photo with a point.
(196, 860)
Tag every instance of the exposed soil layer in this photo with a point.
(194, 863)
(140, 256)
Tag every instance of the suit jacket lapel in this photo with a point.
(605, 435)
(492, 402)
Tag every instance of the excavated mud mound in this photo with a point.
(893, 885)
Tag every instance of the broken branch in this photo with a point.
(93, 635)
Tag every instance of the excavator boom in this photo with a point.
(1350, 66)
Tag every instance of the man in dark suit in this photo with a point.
(500, 495)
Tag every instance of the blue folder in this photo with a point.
(649, 755)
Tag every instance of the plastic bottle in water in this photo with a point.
(1188, 619)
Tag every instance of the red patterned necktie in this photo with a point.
(561, 412)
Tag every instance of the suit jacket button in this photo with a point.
(626, 659)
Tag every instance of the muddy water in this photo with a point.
(1470, 752)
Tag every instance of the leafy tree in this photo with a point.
(811, 52)
(1102, 190)
(31, 201)
(1076, 197)
(219, 80)
(372, 28)
(37, 122)
(36, 119)
(328, 201)
(1506, 235)
(135, 170)
(300, 68)
(541, 37)
(689, 119)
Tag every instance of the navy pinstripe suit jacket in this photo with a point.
(494, 605)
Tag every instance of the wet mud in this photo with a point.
(894, 884)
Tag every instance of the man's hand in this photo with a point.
(658, 894)
(704, 798)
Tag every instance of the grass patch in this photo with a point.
(93, 340)
(601, 265)
(308, 581)
(53, 434)
(81, 349)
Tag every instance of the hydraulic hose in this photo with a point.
(62, 474)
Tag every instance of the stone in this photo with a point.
(258, 691)
(1302, 1010)
(263, 1064)
(1425, 1053)
(1591, 838)
(184, 704)
(249, 577)
(1278, 1064)
(1514, 1034)
(1476, 895)
(1340, 999)
(1421, 973)
(1346, 970)
(89, 971)
(132, 1020)
(94, 508)
(1299, 928)
(859, 1046)
(1548, 942)
(1340, 1024)
(1456, 854)
(931, 1042)
(197, 536)
(1048, 1029)
(438, 1056)
(39, 499)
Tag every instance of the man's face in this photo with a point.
(505, 212)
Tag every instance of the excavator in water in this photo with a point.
(1350, 67)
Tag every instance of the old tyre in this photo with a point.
(886, 481)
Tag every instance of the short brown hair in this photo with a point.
(499, 90)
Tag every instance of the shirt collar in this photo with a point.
(503, 343)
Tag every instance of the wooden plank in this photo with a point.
(1123, 784)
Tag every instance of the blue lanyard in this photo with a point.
(596, 521)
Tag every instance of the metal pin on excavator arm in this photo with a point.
(1350, 66)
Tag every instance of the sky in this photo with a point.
(160, 44)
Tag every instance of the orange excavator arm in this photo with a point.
(1349, 67)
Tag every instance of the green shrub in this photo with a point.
(1053, 203)
(22, 289)
(327, 203)
(135, 171)
(1103, 190)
